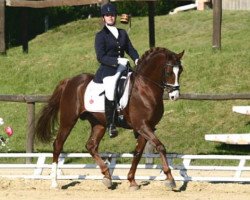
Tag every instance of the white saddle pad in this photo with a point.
(94, 97)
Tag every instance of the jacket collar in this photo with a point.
(107, 31)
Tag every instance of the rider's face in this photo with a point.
(109, 19)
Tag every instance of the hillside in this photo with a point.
(68, 50)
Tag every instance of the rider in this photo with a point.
(111, 43)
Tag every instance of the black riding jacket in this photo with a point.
(108, 49)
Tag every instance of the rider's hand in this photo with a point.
(123, 61)
(136, 61)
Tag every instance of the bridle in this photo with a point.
(164, 85)
(170, 87)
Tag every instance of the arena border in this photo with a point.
(238, 173)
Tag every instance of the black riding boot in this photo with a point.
(110, 108)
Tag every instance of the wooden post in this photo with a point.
(24, 29)
(30, 130)
(217, 18)
(2, 27)
(151, 23)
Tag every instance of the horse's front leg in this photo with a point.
(141, 142)
(150, 136)
(92, 145)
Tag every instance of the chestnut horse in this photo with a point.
(158, 69)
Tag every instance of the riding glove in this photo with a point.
(123, 61)
(136, 61)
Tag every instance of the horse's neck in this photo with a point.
(152, 70)
(150, 79)
(146, 81)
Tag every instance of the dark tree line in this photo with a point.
(40, 20)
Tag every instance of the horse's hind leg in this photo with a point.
(67, 122)
(92, 145)
(141, 142)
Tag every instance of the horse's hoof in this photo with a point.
(134, 188)
(107, 182)
(170, 184)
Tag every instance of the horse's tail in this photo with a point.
(48, 116)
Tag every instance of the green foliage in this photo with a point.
(68, 50)
(39, 19)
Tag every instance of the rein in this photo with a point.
(163, 86)
(169, 87)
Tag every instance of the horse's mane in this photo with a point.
(150, 53)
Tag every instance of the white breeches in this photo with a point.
(109, 83)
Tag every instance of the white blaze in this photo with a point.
(175, 94)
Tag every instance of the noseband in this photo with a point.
(170, 88)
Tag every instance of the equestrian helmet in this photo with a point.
(108, 9)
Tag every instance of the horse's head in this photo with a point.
(172, 72)
(162, 68)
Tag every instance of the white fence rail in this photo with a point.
(184, 167)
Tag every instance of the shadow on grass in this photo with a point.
(227, 149)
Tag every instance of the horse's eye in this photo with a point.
(168, 74)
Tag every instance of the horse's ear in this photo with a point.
(179, 55)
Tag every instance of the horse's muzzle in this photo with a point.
(173, 91)
(174, 95)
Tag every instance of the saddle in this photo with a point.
(95, 94)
